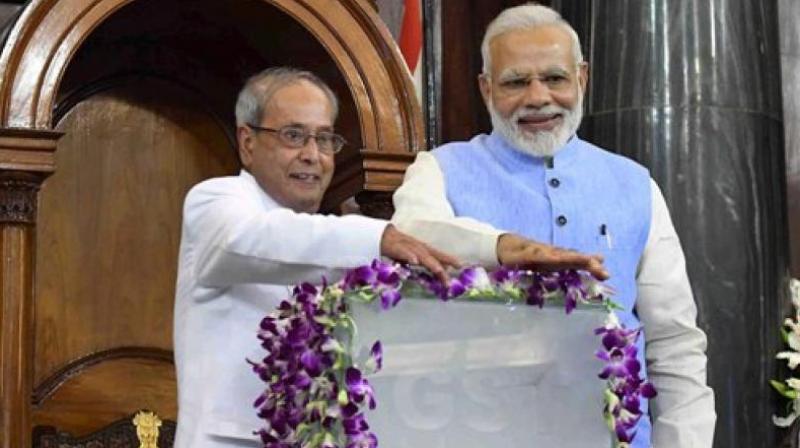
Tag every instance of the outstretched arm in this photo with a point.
(683, 412)
(422, 210)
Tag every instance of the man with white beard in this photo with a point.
(532, 177)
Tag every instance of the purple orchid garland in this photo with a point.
(315, 393)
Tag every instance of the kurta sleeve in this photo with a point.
(235, 239)
(683, 412)
(423, 211)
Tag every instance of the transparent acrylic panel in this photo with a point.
(478, 374)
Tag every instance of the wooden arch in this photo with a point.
(35, 58)
(49, 32)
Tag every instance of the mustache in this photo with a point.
(532, 112)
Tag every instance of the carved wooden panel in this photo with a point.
(97, 390)
(108, 235)
(120, 434)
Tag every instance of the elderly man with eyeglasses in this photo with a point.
(245, 238)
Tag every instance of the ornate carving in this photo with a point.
(18, 198)
(120, 434)
(26, 159)
(377, 204)
(147, 424)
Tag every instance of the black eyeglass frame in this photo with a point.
(337, 140)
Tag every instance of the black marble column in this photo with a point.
(692, 89)
(789, 12)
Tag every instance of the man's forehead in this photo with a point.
(302, 104)
(547, 44)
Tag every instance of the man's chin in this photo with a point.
(539, 144)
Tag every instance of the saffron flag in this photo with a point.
(411, 40)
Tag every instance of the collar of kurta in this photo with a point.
(253, 185)
(510, 156)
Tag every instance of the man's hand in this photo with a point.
(514, 250)
(401, 247)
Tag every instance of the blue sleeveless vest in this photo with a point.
(584, 198)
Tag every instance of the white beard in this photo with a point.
(539, 144)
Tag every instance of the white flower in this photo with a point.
(597, 288)
(794, 383)
(481, 281)
(784, 422)
(794, 292)
(792, 358)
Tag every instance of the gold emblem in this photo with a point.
(147, 424)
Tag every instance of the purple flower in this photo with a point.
(363, 440)
(358, 387)
(622, 434)
(301, 380)
(432, 284)
(299, 333)
(574, 289)
(456, 288)
(631, 403)
(311, 361)
(534, 294)
(505, 276)
(390, 298)
(376, 355)
(355, 424)
(268, 325)
(617, 337)
(387, 273)
(648, 390)
(376, 275)
(360, 276)
(620, 363)
(305, 292)
(310, 379)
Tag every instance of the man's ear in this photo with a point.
(245, 138)
(583, 75)
(485, 84)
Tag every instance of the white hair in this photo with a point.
(526, 17)
(259, 89)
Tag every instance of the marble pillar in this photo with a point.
(790, 66)
(692, 89)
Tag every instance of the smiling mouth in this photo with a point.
(305, 177)
(539, 122)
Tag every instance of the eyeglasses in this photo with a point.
(297, 137)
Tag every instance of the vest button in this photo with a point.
(555, 182)
(561, 220)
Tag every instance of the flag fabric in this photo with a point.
(411, 39)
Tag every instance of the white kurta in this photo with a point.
(239, 252)
(683, 412)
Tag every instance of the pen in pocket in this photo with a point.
(606, 233)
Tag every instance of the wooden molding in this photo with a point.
(26, 159)
(28, 150)
(384, 171)
(57, 379)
